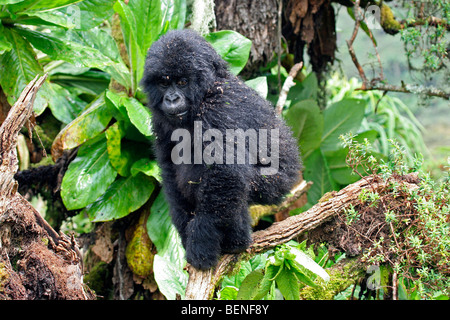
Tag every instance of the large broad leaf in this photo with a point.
(306, 123)
(288, 284)
(65, 106)
(260, 85)
(317, 171)
(340, 118)
(130, 110)
(159, 222)
(339, 169)
(169, 262)
(139, 115)
(123, 196)
(233, 47)
(38, 5)
(5, 45)
(124, 153)
(302, 259)
(142, 22)
(169, 275)
(81, 49)
(253, 287)
(18, 67)
(89, 124)
(148, 167)
(88, 176)
(83, 15)
(307, 89)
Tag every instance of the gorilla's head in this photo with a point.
(180, 68)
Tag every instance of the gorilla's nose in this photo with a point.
(172, 98)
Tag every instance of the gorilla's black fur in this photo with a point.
(187, 81)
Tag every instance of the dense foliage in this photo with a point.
(94, 53)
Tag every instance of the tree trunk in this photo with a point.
(35, 261)
(255, 19)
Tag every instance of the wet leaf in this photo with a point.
(18, 66)
(233, 47)
(123, 196)
(88, 175)
(87, 125)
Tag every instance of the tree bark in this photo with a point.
(35, 261)
(257, 20)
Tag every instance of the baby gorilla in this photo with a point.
(219, 144)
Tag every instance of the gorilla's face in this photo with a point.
(173, 91)
(180, 69)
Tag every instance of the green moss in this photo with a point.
(97, 279)
(388, 22)
(342, 276)
(4, 276)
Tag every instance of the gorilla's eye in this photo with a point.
(164, 81)
(182, 82)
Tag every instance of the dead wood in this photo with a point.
(202, 284)
(35, 261)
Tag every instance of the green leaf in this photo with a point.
(302, 259)
(307, 89)
(148, 167)
(233, 47)
(288, 284)
(115, 99)
(142, 22)
(171, 279)
(38, 5)
(306, 122)
(228, 293)
(87, 125)
(5, 45)
(2, 2)
(123, 196)
(124, 153)
(340, 118)
(83, 15)
(139, 115)
(317, 171)
(81, 49)
(79, 81)
(65, 106)
(300, 275)
(260, 85)
(254, 286)
(169, 262)
(18, 67)
(88, 176)
(159, 222)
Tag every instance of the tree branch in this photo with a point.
(202, 284)
(408, 88)
(287, 85)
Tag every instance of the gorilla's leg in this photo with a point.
(221, 207)
(236, 233)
